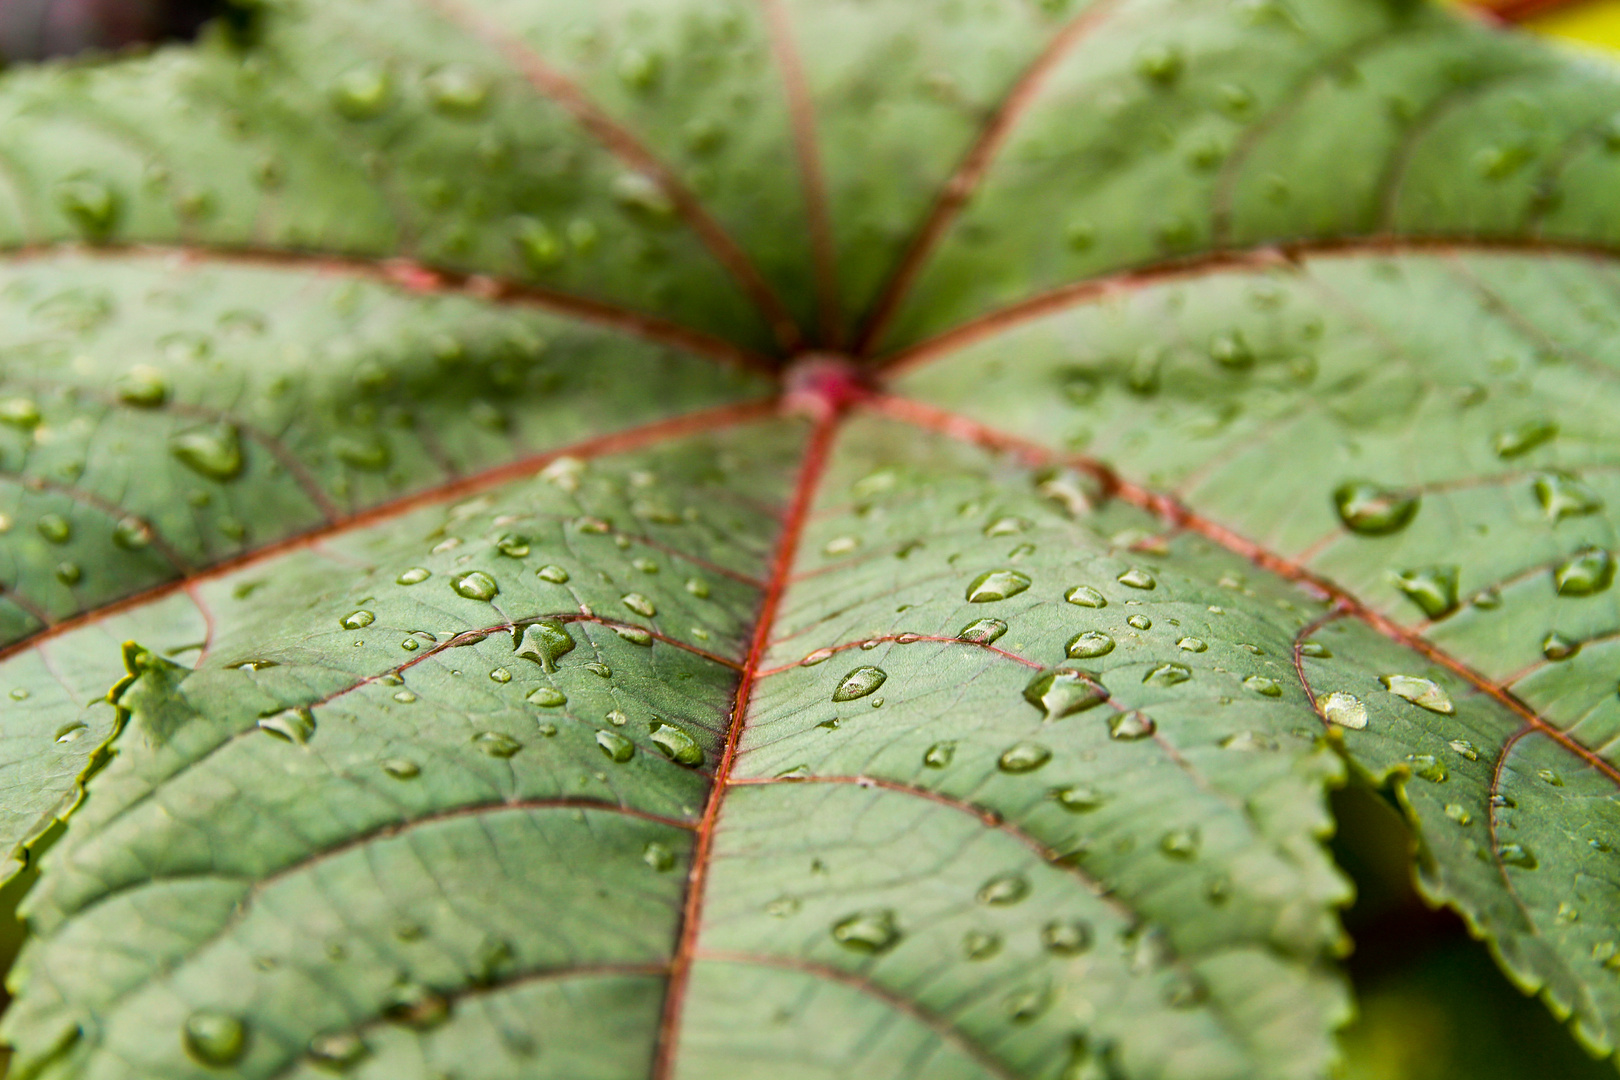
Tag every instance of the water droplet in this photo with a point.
(1168, 675)
(644, 195)
(658, 856)
(19, 412)
(554, 574)
(213, 452)
(1004, 890)
(1138, 578)
(547, 698)
(214, 1038)
(996, 585)
(1465, 748)
(1027, 1003)
(635, 635)
(817, 657)
(982, 632)
(1160, 64)
(1556, 646)
(1522, 439)
(1586, 572)
(144, 387)
(859, 683)
(475, 585)
(357, 620)
(797, 772)
(414, 576)
(1374, 511)
(873, 931)
(1078, 799)
(91, 205)
(71, 733)
(1128, 727)
(1091, 643)
(500, 675)
(784, 907)
(1066, 937)
(615, 746)
(980, 944)
(1180, 843)
(1007, 526)
(841, 545)
(363, 93)
(402, 769)
(1431, 588)
(55, 528)
(616, 717)
(1423, 692)
(1517, 855)
(1023, 757)
(1562, 496)
(69, 573)
(1191, 644)
(416, 1006)
(543, 642)
(290, 725)
(676, 744)
(1343, 709)
(405, 697)
(940, 755)
(1139, 622)
(1063, 692)
(1263, 686)
(1458, 813)
(457, 91)
(1550, 777)
(698, 587)
(639, 604)
(1428, 767)
(1086, 596)
(1315, 649)
(512, 545)
(497, 744)
(337, 1051)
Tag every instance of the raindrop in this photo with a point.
(1191, 644)
(1562, 496)
(1374, 511)
(1086, 596)
(859, 683)
(1343, 709)
(337, 1051)
(290, 725)
(1422, 692)
(543, 642)
(1315, 649)
(144, 387)
(1063, 692)
(615, 746)
(1007, 526)
(980, 944)
(1431, 588)
(873, 931)
(1556, 646)
(402, 769)
(1523, 438)
(497, 745)
(513, 545)
(676, 744)
(1066, 937)
(357, 620)
(1180, 843)
(817, 657)
(417, 1006)
(939, 755)
(1128, 727)
(500, 675)
(643, 194)
(639, 604)
(1458, 813)
(1168, 675)
(213, 452)
(475, 585)
(1004, 890)
(1023, 757)
(55, 528)
(996, 585)
(457, 91)
(362, 93)
(982, 632)
(1138, 578)
(1263, 686)
(405, 697)
(19, 412)
(658, 856)
(634, 635)
(214, 1038)
(69, 573)
(1585, 573)
(1090, 644)
(554, 574)
(1230, 349)
(414, 576)
(1465, 748)
(1078, 799)
(1139, 622)
(1517, 855)
(547, 698)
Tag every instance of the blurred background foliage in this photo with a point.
(1433, 1005)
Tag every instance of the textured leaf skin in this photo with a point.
(808, 539)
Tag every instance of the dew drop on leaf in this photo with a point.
(1023, 758)
(1263, 686)
(1078, 799)
(982, 632)
(658, 856)
(639, 604)
(1139, 622)
(144, 387)
(1138, 578)
(1004, 890)
(940, 755)
(995, 585)
(1128, 727)
(475, 585)
(1556, 646)
(1522, 438)
(554, 574)
(91, 205)
(543, 642)
(402, 768)
(213, 452)
(1315, 649)
(635, 635)
(1063, 692)
(1066, 937)
(1517, 855)
(980, 944)
(457, 91)
(1168, 675)
(362, 93)
(873, 931)
(1562, 496)
(497, 744)
(1091, 643)
(859, 683)
(1428, 767)
(1422, 692)
(1086, 596)
(1465, 748)
(547, 698)
(290, 725)
(616, 747)
(1192, 644)
(357, 620)
(1585, 573)
(20, 413)
(1432, 588)
(55, 528)
(416, 1006)
(676, 744)
(1180, 843)
(414, 576)
(1343, 709)
(1372, 510)
(214, 1038)
(337, 1051)
(1458, 813)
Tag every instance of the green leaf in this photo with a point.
(806, 539)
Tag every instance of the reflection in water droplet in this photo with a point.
(1586, 572)
(996, 585)
(1004, 890)
(859, 683)
(475, 585)
(1374, 511)
(676, 744)
(982, 632)
(1086, 596)
(1343, 709)
(1423, 692)
(1431, 588)
(1091, 643)
(615, 746)
(357, 620)
(214, 1038)
(1023, 757)
(1063, 692)
(543, 642)
(873, 931)
(414, 576)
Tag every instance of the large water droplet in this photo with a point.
(414, 576)
(1562, 496)
(1137, 578)
(1192, 644)
(1422, 692)
(1063, 692)
(214, 452)
(1004, 890)
(1023, 757)
(615, 746)
(982, 632)
(475, 585)
(1086, 596)
(873, 931)
(1343, 709)
(1432, 588)
(357, 620)
(1584, 573)
(996, 585)
(1374, 511)
(290, 725)
(1263, 686)
(859, 683)
(543, 642)
(1556, 646)
(547, 697)
(554, 574)
(214, 1038)
(1091, 643)
(676, 744)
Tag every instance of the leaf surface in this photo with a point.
(796, 539)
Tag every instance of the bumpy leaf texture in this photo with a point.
(797, 538)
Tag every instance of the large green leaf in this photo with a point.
(803, 538)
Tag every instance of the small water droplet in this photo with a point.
(1428, 767)
(980, 944)
(635, 635)
(554, 574)
(414, 576)
(405, 697)
(1423, 692)
(457, 91)
(1550, 777)
(475, 585)
(402, 769)
(817, 657)
(55, 528)
(69, 573)
(512, 545)
(859, 683)
(1004, 890)
(639, 604)
(213, 452)
(1562, 495)
(363, 93)
(290, 725)
(1523, 438)
(1458, 813)
(1023, 757)
(1086, 596)
(1063, 692)
(214, 1038)
(1138, 578)
(1465, 748)
(1078, 799)
(996, 585)
(543, 642)
(497, 744)
(1191, 644)
(1007, 526)
(841, 545)
(982, 632)
(91, 205)
(337, 1051)
(1091, 643)
(1556, 646)
(500, 675)
(1160, 64)
(357, 620)
(19, 412)
(1517, 855)
(1027, 1003)
(1263, 686)
(644, 195)
(1343, 709)
(1139, 622)
(416, 1006)
(1586, 572)
(1066, 937)
(676, 744)
(547, 697)
(658, 856)
(1374, 511)
(143, 387)
(1315, 649)
(1128, 727)
(1180, 843)
(873, 931)
(1168, 674)
(697, 587)
(1431, 588)
(940, 755)
(615, 746)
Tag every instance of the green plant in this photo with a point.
(807, 538)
